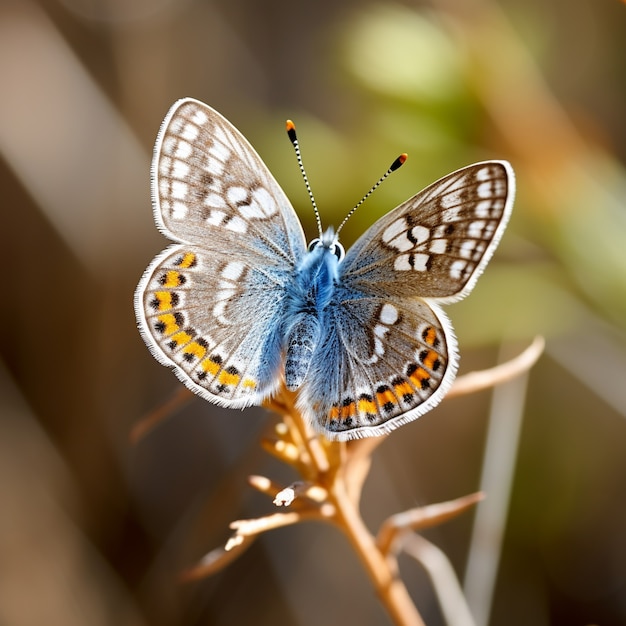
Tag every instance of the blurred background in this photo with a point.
(94, 530)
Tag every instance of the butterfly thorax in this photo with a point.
(315, 278)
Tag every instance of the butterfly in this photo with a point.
(240, 304)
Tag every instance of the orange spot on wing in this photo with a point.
(189, 259)
(210, 366)
(172, 279)
(169, 320)
(384, 397)
(430, 359)
(430, 336)
(196, 349)
(248, 382)
(181, 337)
(418, 376)
(403, 388)
(165, 300)
(367, 406)
(348, 411)
(226, 378)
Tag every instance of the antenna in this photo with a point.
(291, 131)
(392, 168)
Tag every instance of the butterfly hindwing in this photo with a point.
(393, 360)
(436, 244)
(195, 314)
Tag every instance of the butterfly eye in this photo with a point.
(314, 244)
(338, 251)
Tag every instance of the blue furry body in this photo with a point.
(308, 297)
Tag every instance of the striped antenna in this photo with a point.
(392, 168)
(291, 131)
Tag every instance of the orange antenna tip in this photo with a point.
(291, 131)
(399, 161)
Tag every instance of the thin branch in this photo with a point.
(216, 560)
(382, 572)
(445, 583)
(179, 398)
(483, 379)
(256, 526)
(392, 529)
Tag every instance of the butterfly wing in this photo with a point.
(437, 243)
(210, 305)
(393, 350)
(393, 360)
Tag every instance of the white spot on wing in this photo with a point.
(457, 268)
(476, 229)
(165, 165)
(485, 190)
(189, 132)
(214, 166)
(380, 330)
(219, 151)
(402, 263)
(379, 349)
(420, 261)
(218, 309)
(237, 225)
(180, 170)
(179, 190)
(225, 294)
(421, 234)
(438, 246)
(236, 194)
(265, 200)
(233, 270)
(394, 229)
(183, 150)
(484, 207)
(215, 200)
(215, 218)
(483, 173)
(388, 314)
(401, 243)
(179, 211)
(467, 249)
(200, 118)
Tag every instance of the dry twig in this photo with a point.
(332, 476)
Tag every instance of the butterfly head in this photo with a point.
(328, 241)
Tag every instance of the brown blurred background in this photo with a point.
(94, 530)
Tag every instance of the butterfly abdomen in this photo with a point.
(302, 340)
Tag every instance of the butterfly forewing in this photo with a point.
(211, 187)
(436, 244)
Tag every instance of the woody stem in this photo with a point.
(382, 571)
